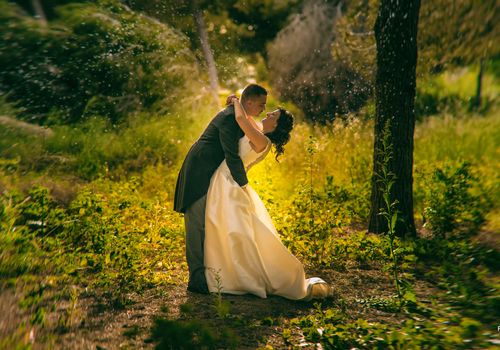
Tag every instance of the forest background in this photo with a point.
(99, 103)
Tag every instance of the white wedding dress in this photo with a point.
(243, 252)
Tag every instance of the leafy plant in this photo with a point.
(386, 178)
(452, 206)
(317, 214)
(221, 306)
(332, 331)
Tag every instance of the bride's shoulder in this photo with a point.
(267, 147)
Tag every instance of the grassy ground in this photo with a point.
(77, 316)
(92, 256)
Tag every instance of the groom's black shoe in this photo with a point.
(197, 289)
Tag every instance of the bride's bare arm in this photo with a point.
(254, 124)
(249, 127)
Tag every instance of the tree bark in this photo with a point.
(207, 51)
(395, 85)
(38, 9)
(477, 98)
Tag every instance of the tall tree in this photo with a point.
(187, 16)
(207, 50)
(39, 12)
(395, 85)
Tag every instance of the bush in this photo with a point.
(94, 59)
(40, 212)
(451, 205)
(109, 230)
(17, 253)
(314, 218)
(303, 70)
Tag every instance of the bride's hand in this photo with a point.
(230, 99)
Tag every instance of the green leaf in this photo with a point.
(410, 296)
(393, 220)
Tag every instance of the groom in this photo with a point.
(219, 141)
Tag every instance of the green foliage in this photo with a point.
(430, 103)
(459, 266)
(132, 332)
(222, 307)
(363, 248)
(445, 142)
(389, 212)
(95, 59)
(17, 256)
(236, 29)
(331, 329)
(312, 221)
(452, 206)
(103, 229)
(94, 148)
(263, 20)
(391, 304)
(40, 212)
(354, 44)
(33, 300)
(7, 108)
(455, 33)
(453, 92)
(99, 233)
(315, 216)
(342, 150)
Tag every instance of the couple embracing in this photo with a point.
(231, 243)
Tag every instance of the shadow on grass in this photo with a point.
(250, 322)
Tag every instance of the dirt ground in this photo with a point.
(254, 321)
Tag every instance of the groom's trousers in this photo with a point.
(194, 220)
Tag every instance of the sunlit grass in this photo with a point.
(463, 82)
(342, 151)
(447, 137)
(345, 152)
(472, 138)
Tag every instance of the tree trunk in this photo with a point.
(207, 51)
(477, 98)
(395, 85)
(38, 9)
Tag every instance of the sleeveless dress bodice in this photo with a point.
(248, 156)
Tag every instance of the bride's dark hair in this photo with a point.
(281, 135)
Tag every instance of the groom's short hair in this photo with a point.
(253, 90)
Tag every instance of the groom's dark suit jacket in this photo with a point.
(218, 141)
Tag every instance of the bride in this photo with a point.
(243, 251)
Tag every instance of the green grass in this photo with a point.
(463, 82)
(471, 137)
(116, 233)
